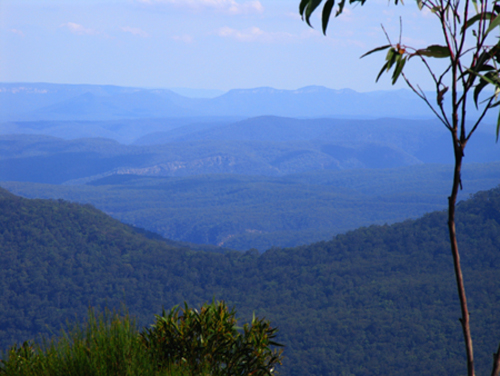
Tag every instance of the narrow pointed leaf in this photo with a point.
(496, 104)
(399, 68)
(341, 7)
(390, 54)
(420, 4)
(477, 90)
(475, 5)
(498, 125)
(381, 71)
(494, 23)
(302, 7)
(392, 57)
(471, 21)
(313, 4)
(375, 50)
(327, 10)
(434, 50)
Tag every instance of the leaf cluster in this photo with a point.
(467, 46)
(209, 338)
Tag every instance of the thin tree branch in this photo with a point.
(485, 110)
(422, 95)
(496, 363)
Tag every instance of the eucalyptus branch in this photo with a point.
(456, 18)
(466, 15)
(422, 96)
(483, 113)
(462, 101)
(429, 69)
(496, 363)
(442, 20)
(386, 35)
(444, 73)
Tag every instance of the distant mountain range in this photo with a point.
(40, 101)
(270, 146)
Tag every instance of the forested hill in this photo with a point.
(375, 301)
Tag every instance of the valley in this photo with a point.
(327, 222)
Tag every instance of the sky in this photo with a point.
(204, 44)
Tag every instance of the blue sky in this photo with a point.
(202, 44)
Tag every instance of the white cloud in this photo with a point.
(293, 15)
(183, 38)
(79, 29)
(254, 34)
(226, 6)
(135, 31)
(18, 32)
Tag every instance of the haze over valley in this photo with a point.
(325, 203)
(233, 170)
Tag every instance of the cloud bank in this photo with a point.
(226, 6)
(135, 31)
(254, 34)
(78, 29)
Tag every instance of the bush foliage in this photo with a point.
(191, 343)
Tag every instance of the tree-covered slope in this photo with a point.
(243, 212)
(375, 301)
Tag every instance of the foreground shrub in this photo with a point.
(210, 340)
(106, 345)
(180, 343)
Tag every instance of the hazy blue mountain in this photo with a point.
(124, 131)
(26, 101)
(197, 93)
(317, 101)
(19, 99)
(39, 101)
(270, 146)
(88, 106)
(397, 132)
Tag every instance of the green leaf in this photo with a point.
(477, 90)
(494, 23)
(390, 54)
(498, 125)
(486, 16)
(312, 5)
(399, 68)
(420, 4)
(341, 7)
(434, 50)
(496, 104)
(375, 50)
(302, 7)
(327, 10)
(475, 5)
(392, 57)
(381, 71)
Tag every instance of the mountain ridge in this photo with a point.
(25, 101)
